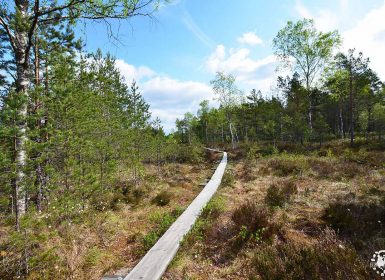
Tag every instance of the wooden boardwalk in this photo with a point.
(154, 263)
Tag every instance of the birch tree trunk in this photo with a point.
(310, 103)
(22, 83)
(351, 108)
(341, 123)
(232, 135)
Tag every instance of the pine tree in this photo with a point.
(137, 121)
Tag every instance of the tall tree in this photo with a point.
(309, 49)
(203, 113)
(20, 21)
(229, 96)
(336, 83)
(297, 102)
(138, 115)
(356, 68)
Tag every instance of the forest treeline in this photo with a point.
(330, 95)
(84, 124)
(71, 126)
(68, 120)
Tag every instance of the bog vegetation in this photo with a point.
(89, 181)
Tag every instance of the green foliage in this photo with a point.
(208, 216)
(213, 209)
(285, 165)
(310, 48)
(252, 152)
(93, 257)
(225, 89)
(162, 222)
(279, 194)
(189, 153)
(250, 220)
(228, 178)
(269, 151)
(85, 127)
(379, 117)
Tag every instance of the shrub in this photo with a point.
(34, 241)
(93, 257)
(137, 195)
(213, 209)
(351, 169)
(323, 168)
(252, 152)
(228, 178)
(162, 199)
(131, 194)
(269, 150)
(162, 221)
(286, 166)
(325, 259)
(251, 220)
(150, 239)
(354, 220)
(211, 156)
(209, 214)
(192, 153)
(359, 157)
(280, 193)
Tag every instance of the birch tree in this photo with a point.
(301, 46)
(20, 20)
(229, 96)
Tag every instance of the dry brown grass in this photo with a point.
(106, 240)
(303, 234)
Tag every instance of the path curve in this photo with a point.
(154, 263)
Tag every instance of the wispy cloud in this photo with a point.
(196, 30)
(163, 5)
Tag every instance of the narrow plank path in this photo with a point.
(154, 263)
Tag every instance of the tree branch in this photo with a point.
(32, 28)
(9, 33)
(57, 9)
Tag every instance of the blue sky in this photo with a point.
(174, 56)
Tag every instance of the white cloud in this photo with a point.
(237, 61)
(168, 91)
(344, 6)
(169, 98)
(324, 19)
(250, 38)
(130, 72)
(257, 73)
(368, 36)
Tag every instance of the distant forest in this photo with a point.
(330, 95)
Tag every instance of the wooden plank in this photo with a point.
(155, 262)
